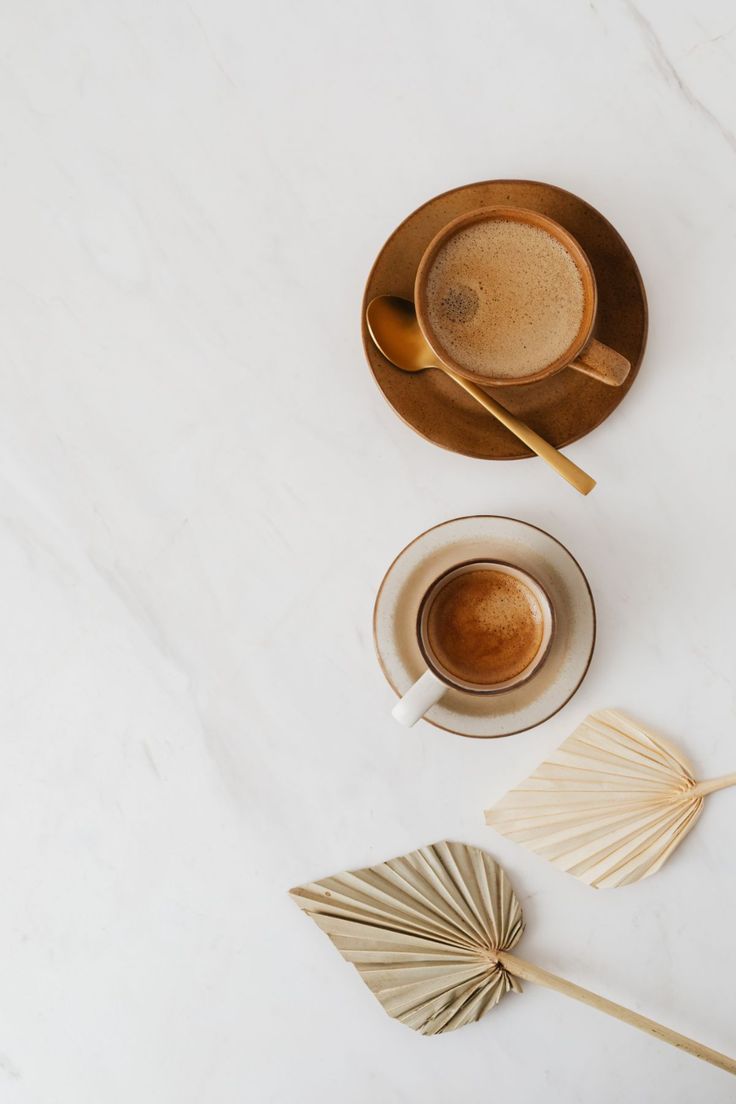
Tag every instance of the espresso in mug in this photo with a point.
(485, 626)
(504, 298)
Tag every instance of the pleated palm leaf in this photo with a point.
(436, 918)
(431, 933)
(610, 805)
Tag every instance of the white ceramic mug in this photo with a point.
(429, 688)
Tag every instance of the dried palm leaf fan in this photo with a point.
(610, 805)
(431, 934)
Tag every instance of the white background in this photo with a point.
(202, 487)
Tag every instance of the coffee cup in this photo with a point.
(506, 296)
(483, 627)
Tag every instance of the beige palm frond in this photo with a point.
(610, 805)
(431, 932)
(422, 931)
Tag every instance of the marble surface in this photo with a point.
(202, 487)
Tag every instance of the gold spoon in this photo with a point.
(393, 325)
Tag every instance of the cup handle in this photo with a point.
(420, 697)
(602, 363)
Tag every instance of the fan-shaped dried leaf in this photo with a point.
(421, 930)
(609, 806)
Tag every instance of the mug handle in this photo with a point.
(602, 363)
(420, 697)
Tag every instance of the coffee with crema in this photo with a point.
(484, 626)
(504, 298)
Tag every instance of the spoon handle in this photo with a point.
(574, 475)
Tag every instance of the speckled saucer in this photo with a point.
(562, 408)
(498, 538)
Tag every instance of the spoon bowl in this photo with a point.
(392, 323)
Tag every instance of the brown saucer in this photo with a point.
(562, 408)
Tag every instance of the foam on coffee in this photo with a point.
(504, 298)
(484, 627)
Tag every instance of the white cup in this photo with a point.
(435, 681)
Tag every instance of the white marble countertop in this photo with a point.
(201, 490)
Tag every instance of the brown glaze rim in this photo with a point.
(368, 343)
(517, 521)
(535, 663)
(527, 217)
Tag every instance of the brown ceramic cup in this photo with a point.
(585, 354)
